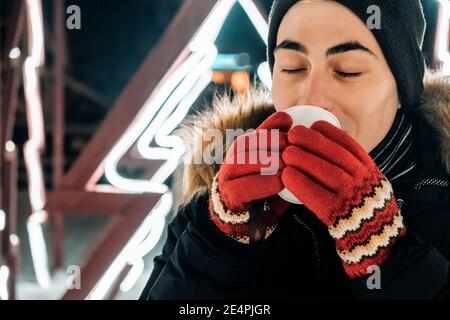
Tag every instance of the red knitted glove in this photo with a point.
(337, 180)
(239, 185)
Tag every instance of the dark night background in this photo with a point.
(114, 39)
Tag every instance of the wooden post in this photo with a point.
(58, 126)
(9, 79)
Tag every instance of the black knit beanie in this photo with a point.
(400, 38)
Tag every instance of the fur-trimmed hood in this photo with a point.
(247, 111)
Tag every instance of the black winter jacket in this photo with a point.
(299, 259)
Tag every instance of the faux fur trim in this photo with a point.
(435, 106)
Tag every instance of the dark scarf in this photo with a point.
(396, 154)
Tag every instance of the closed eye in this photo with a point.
(293, 71)
(339, 73)
(348, 74)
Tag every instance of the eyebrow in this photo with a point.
(340, 48)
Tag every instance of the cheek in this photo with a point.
(368, 98)
(368, 112)
(356, 106)
(285, 93)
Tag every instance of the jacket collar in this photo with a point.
(431, 120)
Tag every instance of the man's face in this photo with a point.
(326, 56)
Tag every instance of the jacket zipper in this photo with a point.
(306, 227)
(431, 182)
(427, 182)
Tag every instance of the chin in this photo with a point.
(350, 134)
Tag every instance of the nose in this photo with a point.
(314, 92)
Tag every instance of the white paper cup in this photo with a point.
(306, 115)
